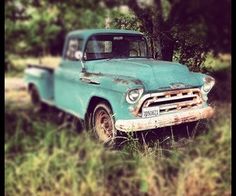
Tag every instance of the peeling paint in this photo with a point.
(119, 80)
(88, 74)
(130, 81)
(138, 82)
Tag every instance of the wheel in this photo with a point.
(35, 98)
(103, 123)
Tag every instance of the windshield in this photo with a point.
(116, 46)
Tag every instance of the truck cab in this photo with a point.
(107, 78)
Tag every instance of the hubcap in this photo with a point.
(103, 125)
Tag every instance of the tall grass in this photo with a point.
(41, 158)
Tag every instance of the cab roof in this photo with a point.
(85, 33)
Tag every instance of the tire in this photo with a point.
(103, 124)
(35, 98)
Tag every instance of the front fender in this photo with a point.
(112, 88)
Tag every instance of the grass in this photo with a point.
(45, 155)
(44, 158)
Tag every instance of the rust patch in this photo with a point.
(138, 82)
(181, 91)
(209, 79)
(187, 119)
(135, 111)
(122, 81)
(88, 74)
(174, 97)
(165, 120)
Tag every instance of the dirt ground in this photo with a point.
(14, 84)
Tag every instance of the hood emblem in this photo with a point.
(177, 86)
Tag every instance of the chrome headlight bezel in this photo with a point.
(133, 95)
(209, 82)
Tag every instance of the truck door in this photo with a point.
(67, 79)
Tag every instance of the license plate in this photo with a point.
(150, 112)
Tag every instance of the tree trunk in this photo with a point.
(157, 21)
(157, 48)
(167, 49)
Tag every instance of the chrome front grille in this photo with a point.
(174, 100)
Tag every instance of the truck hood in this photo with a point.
(155, 75)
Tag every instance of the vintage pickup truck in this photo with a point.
(107, 78)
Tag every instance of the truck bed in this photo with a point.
(42, 77)
(45, 67)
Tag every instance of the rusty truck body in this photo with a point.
(107, 78)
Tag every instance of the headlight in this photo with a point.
(208, 84)
(134, 95)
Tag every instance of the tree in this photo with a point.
(39, 27)
(181, 29)
(14, 30)
(186, 28)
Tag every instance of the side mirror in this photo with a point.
(78, 55)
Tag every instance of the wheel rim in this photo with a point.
(103, 125)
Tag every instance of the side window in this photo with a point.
(72, 47)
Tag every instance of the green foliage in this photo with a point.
(179, 29)
(125, 21)
(190, 45)
(40, 28)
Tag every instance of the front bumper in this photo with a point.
(164, 120)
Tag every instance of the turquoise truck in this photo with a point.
(108, 79)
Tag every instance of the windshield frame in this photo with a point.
(116, 34)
